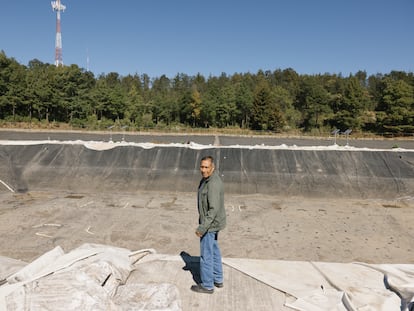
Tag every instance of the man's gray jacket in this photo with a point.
(212, 215)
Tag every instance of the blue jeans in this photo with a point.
(211, 269)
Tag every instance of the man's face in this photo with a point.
(206, 168)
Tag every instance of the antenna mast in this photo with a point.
(58, 7)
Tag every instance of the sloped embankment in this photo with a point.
(308, 173)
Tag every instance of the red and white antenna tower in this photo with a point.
(58, 7)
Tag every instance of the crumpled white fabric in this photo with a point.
(320, 286)
(9, 266)
(87, 278)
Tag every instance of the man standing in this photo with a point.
(212, 219)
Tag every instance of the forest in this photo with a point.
(278, 101)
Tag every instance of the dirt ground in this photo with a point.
(259, 227)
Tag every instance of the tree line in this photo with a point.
(277, 101)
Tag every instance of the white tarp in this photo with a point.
(319, 286)
(8, 266)
(91, 277)
(95, 277)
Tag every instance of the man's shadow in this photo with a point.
(192, 264)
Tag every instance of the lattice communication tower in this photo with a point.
(58, 7)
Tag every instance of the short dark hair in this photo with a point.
(210, 158)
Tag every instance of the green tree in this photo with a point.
(38, 94)
(289, 116)
(134, 105)
(195, 105)
(396, 109)
(165, 108)
(12, 87)
(244, 101)
(265, 113)
(355, 108)
(313, 103)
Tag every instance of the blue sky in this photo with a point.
(159, 37)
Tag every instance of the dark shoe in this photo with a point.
(219, 285)
(201, 289)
